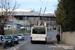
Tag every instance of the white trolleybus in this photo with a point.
(39, 33)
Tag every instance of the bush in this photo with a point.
(65, 14)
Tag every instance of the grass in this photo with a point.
(47, 29)
(10, 32)
(23, 31)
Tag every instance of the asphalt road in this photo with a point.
(38, 46)
(26, 44)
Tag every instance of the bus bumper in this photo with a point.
(38, 41)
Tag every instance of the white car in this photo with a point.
(6, 28)
(20, 36)
(23, 28)
(28, 28)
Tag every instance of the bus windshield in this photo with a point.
(39, 31)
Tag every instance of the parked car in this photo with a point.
(6, 28)
(7, 40)
(16, 40)
(23, 28)
(20, 36)
(28, 28)
(1, 39)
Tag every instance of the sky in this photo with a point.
(35, 5)
(51, 5)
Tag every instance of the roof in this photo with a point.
(11, 24)
(21, 10)
(30, 13)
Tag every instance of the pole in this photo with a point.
(25, 24)
(13, 23)
(24, 21)
(49, 23)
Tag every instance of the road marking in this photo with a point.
(16, 47)
(49, 46)
(21, 45)
(45, 45)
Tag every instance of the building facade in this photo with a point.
(30, 18)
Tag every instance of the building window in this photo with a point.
(27, 18)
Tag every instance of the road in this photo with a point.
(26, 44)
(39, 46)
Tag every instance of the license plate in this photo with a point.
(34, 38)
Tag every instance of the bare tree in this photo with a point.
(7, 9)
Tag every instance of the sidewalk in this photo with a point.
(62, 44)
(1, 47)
